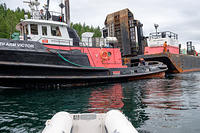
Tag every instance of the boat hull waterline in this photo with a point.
(69, 81)
(27, 64)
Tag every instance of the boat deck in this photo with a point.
(88, 123)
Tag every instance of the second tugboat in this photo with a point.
(51, 52)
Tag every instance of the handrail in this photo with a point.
(69, 41)
(59, 40)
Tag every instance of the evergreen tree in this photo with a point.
(80, 29)
(10, 18)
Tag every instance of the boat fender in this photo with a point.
(61, 122)
(116, 122)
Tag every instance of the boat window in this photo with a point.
(34, 29)
(26, 29)
(44, 30)
(55, 31)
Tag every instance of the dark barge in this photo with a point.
(176, 63)
(164, 47)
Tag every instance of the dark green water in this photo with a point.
(170, 105)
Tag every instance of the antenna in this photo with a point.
(47, 10)
(62, 6)
(36, 3)
(33, 4)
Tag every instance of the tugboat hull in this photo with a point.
(30, 65)
(50, 82)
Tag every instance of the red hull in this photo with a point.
(111, 59)
(160, 49)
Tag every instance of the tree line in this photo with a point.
(10, 18)
(80, 29)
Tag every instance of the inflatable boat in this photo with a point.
(111, 122)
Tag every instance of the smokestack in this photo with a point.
(67, 12)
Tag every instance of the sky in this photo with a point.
(179, 16)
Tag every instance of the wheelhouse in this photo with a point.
(48, 32)
(159, 38)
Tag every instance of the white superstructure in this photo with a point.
(45, 31)
(159, 38)
(51, 30)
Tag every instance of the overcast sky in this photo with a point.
(179, 16)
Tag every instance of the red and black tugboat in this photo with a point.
(51, 52)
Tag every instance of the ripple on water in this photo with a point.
(153, 106)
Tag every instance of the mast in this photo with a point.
(47, 10)
(61, 7)
(67, 12)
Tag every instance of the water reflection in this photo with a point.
(133, 108)
(172, 104)
(122, 97)
(164, 94)
(154, 105)
(103, 100)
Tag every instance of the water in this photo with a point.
(153, 106)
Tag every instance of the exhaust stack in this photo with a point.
(67, 12)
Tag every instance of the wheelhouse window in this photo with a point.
(34, 29)
(26, 29)
(55, 31)
(44, 30)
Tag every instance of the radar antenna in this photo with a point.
(33, 4)
(156, 27)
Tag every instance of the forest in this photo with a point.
(85, 28)
(10, 18)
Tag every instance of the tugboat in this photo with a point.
(111, 122)
(50, 52)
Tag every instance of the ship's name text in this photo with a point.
(21, 45)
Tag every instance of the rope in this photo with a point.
(73, 62)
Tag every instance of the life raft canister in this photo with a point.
(45, 41)
(105, 56)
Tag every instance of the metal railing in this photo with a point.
(163, 35)
(68, 42)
